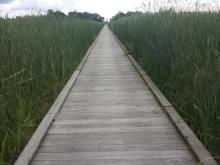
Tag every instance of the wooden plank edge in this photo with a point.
(198, 149)
(33, 144)
(188, 135)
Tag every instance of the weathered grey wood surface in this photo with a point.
(111, 117)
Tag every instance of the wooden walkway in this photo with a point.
(111, 117)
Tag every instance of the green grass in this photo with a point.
(181, 53)
(38, 54)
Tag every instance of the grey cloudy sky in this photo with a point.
(106, 8)
(5, 1)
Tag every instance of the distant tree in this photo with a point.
(97, 17)
(50, 12)
(60, 14)
(118, 16)
(56, 14)
(75, 14)
(72, 14)
(86, 15)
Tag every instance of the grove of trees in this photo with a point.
(75, 14)
(121, 14)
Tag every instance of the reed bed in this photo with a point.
(181, 53)
(38, 54)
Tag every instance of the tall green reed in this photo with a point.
(181, 53)
(37, 56)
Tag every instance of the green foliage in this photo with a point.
(120, 15)
(74, 14)
(57, 14)
(38, 54)
(86, 15)
(181, 53)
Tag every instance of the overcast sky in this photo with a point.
(106, 8)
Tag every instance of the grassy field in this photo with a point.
(37, 56)
(181, 53)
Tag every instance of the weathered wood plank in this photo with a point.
(144, 161)
(111, 147)
(138, 122)
(111, 117)
(112, 155)
(109, 106)
(123, 142)
(113, 135)
(104, 130)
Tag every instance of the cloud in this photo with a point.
(5, 1)
(32, 4)
(184, 5)
(23, 7)
(106, 8)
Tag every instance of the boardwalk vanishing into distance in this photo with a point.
(110, 117)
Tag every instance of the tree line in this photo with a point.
(121, 14)
(75, 14)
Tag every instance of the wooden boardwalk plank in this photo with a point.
(112, 155)
(127, 161)
(110, 116)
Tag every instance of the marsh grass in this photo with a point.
(37, 56)
(181, 53)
